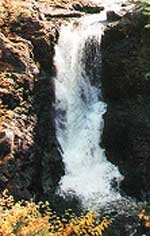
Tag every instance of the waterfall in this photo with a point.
(79, 114)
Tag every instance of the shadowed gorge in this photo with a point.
(75, 108)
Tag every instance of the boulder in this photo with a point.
(113, 16)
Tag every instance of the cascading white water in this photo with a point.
(79, 117)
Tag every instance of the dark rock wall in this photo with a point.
(126, 89)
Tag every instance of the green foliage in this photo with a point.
(145, 8)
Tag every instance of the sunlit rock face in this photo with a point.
(28, 147)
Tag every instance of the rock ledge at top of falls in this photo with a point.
(70, 8)
(80, 6)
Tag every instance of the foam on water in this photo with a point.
(79, 118)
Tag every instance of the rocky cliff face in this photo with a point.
(126, 88)
(30, 162)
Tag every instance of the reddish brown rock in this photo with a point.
(30, 156)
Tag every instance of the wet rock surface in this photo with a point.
(128, 144)
(126, 89)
